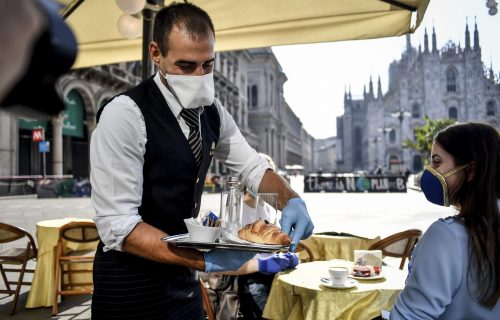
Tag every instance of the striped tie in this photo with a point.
(191, 116)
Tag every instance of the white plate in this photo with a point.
(350, 283)
(232, 238)
(379, 276)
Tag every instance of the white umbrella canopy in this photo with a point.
(243, 24)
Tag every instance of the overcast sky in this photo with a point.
(318, 73)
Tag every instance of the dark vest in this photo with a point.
(172, 190)
(173, 185)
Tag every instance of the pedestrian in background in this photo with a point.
(454, 272)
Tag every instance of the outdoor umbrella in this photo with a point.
(242, 24)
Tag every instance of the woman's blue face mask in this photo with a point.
(434, 187)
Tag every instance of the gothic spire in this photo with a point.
(467, 36)
(408, 43)
(364, 91)
(476, 36)
(426, 42)
(350, 95)
(379, 90)
(371, 88)
(434, 45)
(492, 75)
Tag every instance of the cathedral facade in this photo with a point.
(450, 83)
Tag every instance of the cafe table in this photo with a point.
(42, 286)
(326, 247)
(299, 294)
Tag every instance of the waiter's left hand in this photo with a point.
(296, 222)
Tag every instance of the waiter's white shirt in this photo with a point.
(117, 153)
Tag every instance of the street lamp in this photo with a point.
(129, 25)
(400, 115)
(492, 6)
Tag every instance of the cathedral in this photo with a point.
(450, 83)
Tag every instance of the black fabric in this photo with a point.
(172, 189)
(250, 307)
(132, 288)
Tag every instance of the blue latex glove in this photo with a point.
(296, 222)
(278, 262)
(220, 260)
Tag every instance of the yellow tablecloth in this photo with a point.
(336, 247)
(42, 286)
(298, 294)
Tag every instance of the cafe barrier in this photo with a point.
(354, 183)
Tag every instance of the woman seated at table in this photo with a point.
(454, 272)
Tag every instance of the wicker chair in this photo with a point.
(15, 256)
(79, 232)
(399, 245)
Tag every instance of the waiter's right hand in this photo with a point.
(220, 260)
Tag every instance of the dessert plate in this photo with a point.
(183, 240)
(350, 283)
(379, 276)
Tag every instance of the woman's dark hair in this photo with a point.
(476, 198)
(186, 16)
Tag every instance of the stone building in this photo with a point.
(249, 83)
(325, 155)
(451, 83)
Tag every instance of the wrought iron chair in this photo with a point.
(399, 245)
(78, 232)
(303, 247)
(15, 256)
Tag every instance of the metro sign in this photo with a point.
(37, 135)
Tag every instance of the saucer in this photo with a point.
(350, 283)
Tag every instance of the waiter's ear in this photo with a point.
(155, 53)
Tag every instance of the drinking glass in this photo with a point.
(266, 206)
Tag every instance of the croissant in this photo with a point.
(262, 232)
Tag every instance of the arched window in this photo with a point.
(255, 95)
(358, 151)
(415, 111)
(249, 98)
(451, 80)
(452, 113)
(392, 136)
(490, 108)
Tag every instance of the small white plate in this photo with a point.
(379, 276)
(350, 283)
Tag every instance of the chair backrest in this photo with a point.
(79, 231)
(9, 233)
(303, 247)
(398, 245)
(207, 305)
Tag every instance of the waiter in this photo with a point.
(149, 157)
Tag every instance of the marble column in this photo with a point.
(57, 147)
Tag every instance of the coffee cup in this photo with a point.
(338, 275)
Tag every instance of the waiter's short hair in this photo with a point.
(194, 20)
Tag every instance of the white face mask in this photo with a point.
(191, 91)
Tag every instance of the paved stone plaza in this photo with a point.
(357, 213)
